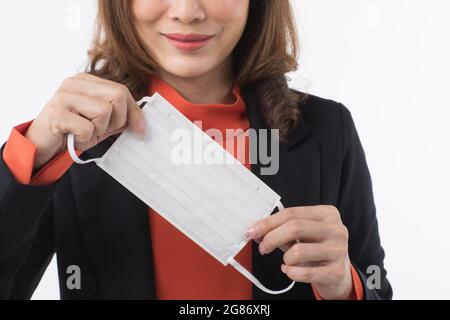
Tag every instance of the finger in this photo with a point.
(294, 229)
(287, 246)
(307, 253)
(258, 240)
(135, 116)
(110, 133)
(318, 275)
(96, 110)
(267, 224)
(284, 248)
(103, 89)
(80, 127)
(93, 78)
(113, 93)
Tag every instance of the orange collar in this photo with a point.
(213, 115)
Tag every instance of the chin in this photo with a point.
(187, 67)
(187, 70)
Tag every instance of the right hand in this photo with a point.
(91, 108)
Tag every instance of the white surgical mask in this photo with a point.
(213, 204)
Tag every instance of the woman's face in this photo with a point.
(157, 21)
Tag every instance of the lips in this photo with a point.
(188, 42)
(192, 37)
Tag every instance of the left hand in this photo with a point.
(321, 256)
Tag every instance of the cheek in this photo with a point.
(147, 11)
(231, 16)
(230, 13)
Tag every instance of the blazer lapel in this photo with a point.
(116, 230)
(297, 182)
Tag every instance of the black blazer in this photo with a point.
(90, 220)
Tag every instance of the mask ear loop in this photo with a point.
(71, 139)
(73, 154)
(252, 278)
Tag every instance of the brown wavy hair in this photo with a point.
(267, 51)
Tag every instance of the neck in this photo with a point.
(213, 87)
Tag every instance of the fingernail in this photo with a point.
(251, 233)
(262, 248)
(283, 268)
(142, 126)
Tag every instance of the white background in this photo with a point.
(386, 60)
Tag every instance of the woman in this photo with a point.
(221, 62)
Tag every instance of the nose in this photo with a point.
(186, 11)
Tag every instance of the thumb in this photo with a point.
(135, 117)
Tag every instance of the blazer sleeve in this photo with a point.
(26, 234)
(357, 207)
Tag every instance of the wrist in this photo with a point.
(44, 152)
(344, 290)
